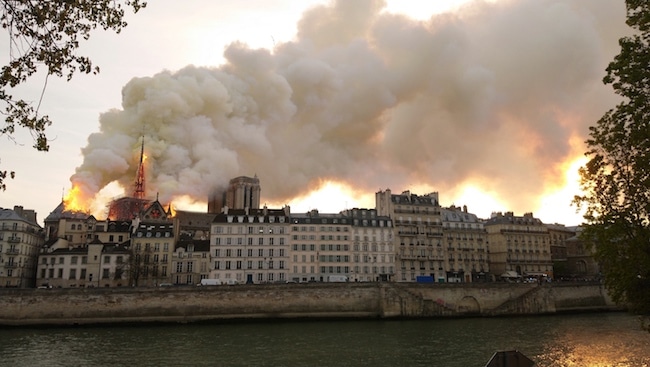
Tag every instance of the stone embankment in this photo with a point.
(314, 300)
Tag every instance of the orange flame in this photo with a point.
(72, 200)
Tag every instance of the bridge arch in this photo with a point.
(468, 305)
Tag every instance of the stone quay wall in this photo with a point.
(296, 301)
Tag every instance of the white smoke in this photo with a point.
(491, 94)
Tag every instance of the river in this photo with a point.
(585, 340)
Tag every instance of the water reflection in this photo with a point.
(595, 343)
(611, 339)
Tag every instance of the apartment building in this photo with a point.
(21, 239)
(190, 261)
(95, 265)
(320, 247)
(152, 244)
(417, 232)
(465, 240)
(373, 250)
(580, 262)
(250, 245)
(519, 244)
(558, 236)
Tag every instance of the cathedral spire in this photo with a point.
(138, 192)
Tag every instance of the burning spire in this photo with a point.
(138, 193)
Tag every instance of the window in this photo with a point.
(61, 260)
(179, 267)
(190, 266)
(107, 259)
(120, 259)
(106, 273)
(73, 274)
(83, 274)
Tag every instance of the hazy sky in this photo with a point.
(487, 103)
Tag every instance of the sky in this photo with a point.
(487, 103)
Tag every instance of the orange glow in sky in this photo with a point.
(331, 197)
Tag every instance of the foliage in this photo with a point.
(47, 34)
(616, 179)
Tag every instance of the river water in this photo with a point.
(586, 340)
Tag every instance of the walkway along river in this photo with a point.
(298, 301)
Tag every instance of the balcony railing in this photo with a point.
(10, 265)
(12, 251)
(13, 239)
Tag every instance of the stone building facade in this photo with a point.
(320, 246)
(250, 245)
(94, 265)
(417, 233)
(21, 239)
(191, 261)
(372, 250)
(519, 244)
(465, 241)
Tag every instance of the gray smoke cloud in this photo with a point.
(492, 94)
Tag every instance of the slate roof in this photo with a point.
(60, 213)
(10, 214)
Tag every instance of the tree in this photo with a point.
(616, 179)
(47, 34)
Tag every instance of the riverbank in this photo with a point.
(293, 301)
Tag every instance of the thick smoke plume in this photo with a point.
(493, 94)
